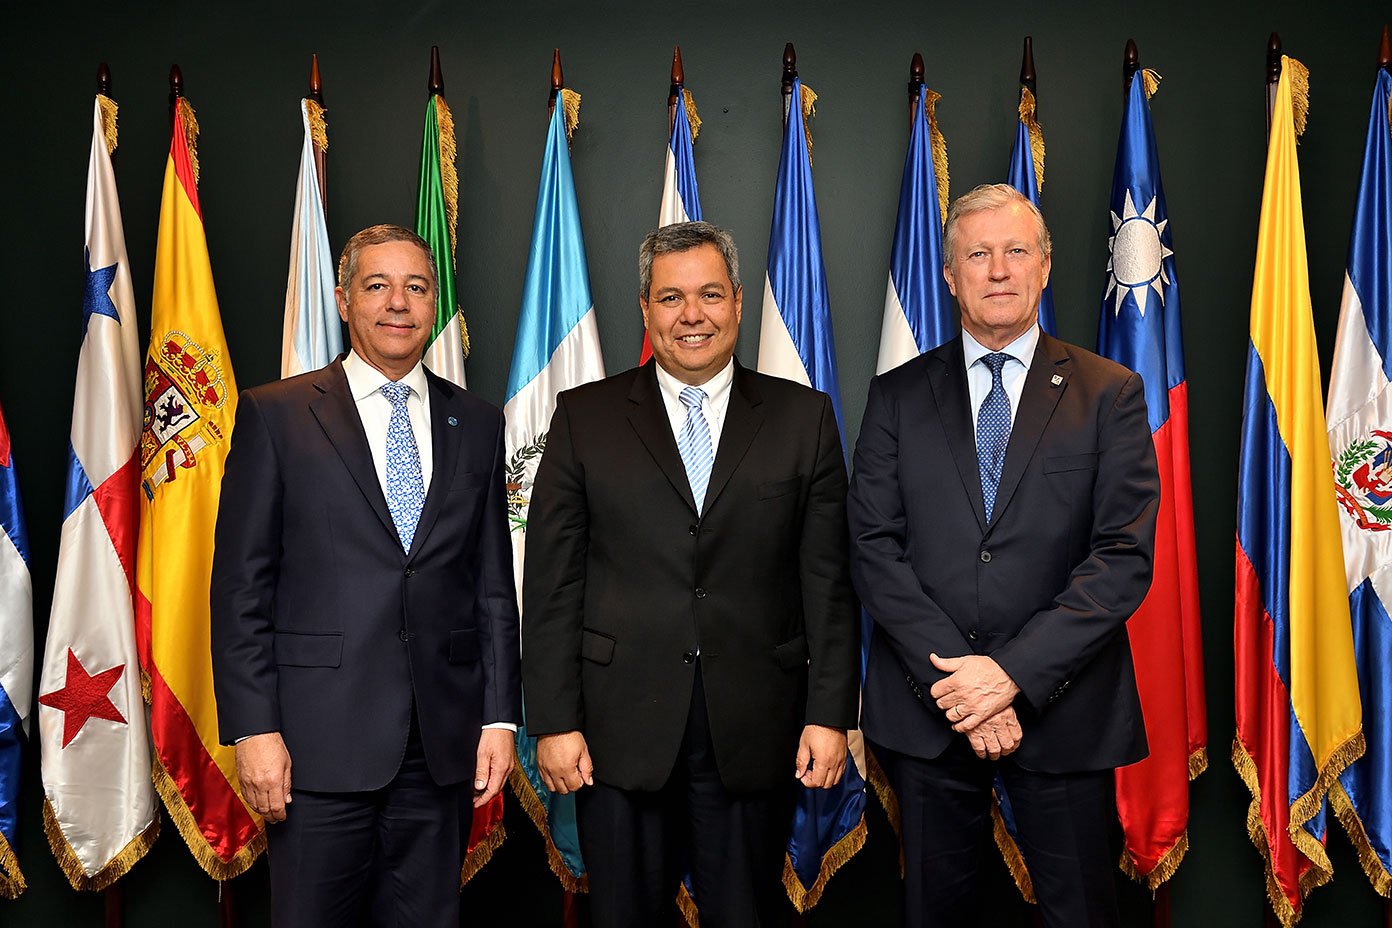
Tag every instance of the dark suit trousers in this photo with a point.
(637, 844)
(388, 857)
(1065, 824)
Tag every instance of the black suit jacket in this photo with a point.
(1045, 589)
(323, 628)
(624, 581)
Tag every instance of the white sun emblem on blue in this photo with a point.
(1137, 263)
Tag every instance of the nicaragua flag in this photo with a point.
(1027, 178)
(681, 201)
(795, 342)
(1139, 328)
(1360, 446)
(557, 348)
(1297, 706)
(312, 334)
(16, 661)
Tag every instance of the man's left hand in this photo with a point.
(975, 689)
(496, 755)
(821, 756)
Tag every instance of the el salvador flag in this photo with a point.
(16, 660)
(1022, 178)
(681, 201)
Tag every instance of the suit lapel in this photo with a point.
(648, 416)
(1045, 384)
(742, 422)
(445, 442)
(338, 417)
(947, 375)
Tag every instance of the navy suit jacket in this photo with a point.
(323, 628)
(1045, 588)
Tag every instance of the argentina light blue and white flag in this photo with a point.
(312, 335)
(16, 661)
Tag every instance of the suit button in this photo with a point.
(408, 572)
(985, 557)
(689, 657)
(691, 529)
(972, 634)
(700, 593)
(404, 635)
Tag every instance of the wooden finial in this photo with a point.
(1273, 59)
(557, 81)
(1130, 64)
(437, 78)
(176, 83)
(1385, 51)
(316, 86)
(678, 76)
(103, 80)
(1028, 77)
(789, 68)
(915, 80)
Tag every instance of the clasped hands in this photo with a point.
(977, 696)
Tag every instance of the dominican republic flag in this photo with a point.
(16, 660)
(1360, 446)
(100, 807)
(1023, 178)
(795, 342)
(1139, 327)
(312, 334)
(557, 348)
(1299, 716)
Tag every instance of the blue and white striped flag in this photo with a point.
(312, 336)
(557, 348)
(795, 342)
(1027, 177)
(1359, 418)
(16, 661)
(681, 201)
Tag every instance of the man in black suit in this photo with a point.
(364, 618)
(691, 636)
(1002, 516)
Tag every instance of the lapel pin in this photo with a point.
(452, 420)
(1055, 380)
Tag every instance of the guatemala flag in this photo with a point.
(681, 201)
(1360, 445)
(312, 335)
(557, 348)
(16, 661)
(1023, 178)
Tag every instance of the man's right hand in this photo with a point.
(996, 737)
(564, 762)
(263, 767)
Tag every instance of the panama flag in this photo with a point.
(100, 810)
(16, 661)
(1139, 327)
(557, 348)
(795, 342)
(1299, 717)
(1027, 176)
(312, 335)
(1360, 445)
(437, 213)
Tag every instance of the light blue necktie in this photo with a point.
(405, 484)
(694, 445)
(992, 431)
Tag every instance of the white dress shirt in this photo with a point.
(1013, 372)
(713, 407)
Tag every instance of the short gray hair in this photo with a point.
(684, 236)
(989, 197)
(380, 235)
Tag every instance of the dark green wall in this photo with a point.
(245, 67)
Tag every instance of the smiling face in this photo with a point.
(692, 312)
(997, 273)
(389, 306)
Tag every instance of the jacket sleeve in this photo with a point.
(497, 602)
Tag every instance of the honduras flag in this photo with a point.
(16, 661)
(1360, 444)
(557, 348)
(312, 335)
(1023, 179)
(795, 342)
(681, 201)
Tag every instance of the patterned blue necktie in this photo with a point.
(405, 484)
(992, 431)
(694, 445)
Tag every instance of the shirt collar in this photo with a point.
(365, 380)
(715, 388)
(1021, 349)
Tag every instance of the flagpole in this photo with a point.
(789, 75)
(557, 82)
(1273, 76)
(915, 85)
(1028, 77)
(674, 94)
(321, 165)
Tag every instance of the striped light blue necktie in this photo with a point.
(405, 483)
(992, 431)
(694, 445)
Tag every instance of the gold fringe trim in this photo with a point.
(570, 106)
(1305, 807)
(938, 145)
(1198, 763)
(1286, 913)
(449, 174)
(687, 906)
(690, 102)
(1010, 853)
(145, 686)
(1348, 817)
(1300, 92)
(108, 109)
(1163, 870)
(213, 865)
(879, 782)
(1036, 134)
(318, 125)
(809, 109)
(190, 121)
(1150, 79)
(113, 870)
(11, 878)
(531, 802)
(834, 859)
(481, 854)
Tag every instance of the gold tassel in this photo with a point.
(879, 782)
(1198, 763)
(190, 121)
(481, 854)
(108, 117)
(115, 868)
(1256, 831)
(212, 864)
(1010, 852)
(1164, 868)
(570, 104)
(318, 125)
(691, 116)
(11, 879)
(1150, 78)
(834, 859)
(1036, 135)
(938, 144)
(145, 686)
(687, 905)
(531, 803)
(1305, 807)
(449, 181)
(1300, 92)
(809, 109)
(1348, 817)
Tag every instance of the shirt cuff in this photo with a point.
(505, 726)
